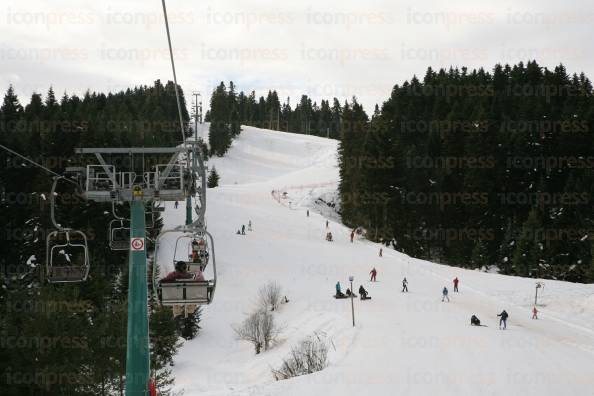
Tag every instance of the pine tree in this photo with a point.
(164, 345)
(188, 327)
(527, 254)
(213, 178)
(480, 255)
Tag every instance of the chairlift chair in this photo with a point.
(185, 292)
(67, 257)
(195, 264)
(67, 250)
(119, 235)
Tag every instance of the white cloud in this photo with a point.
(325, 49)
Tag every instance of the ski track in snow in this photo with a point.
(403, 343)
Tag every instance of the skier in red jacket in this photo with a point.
(456, 284)
(152, 387)
(373, 274)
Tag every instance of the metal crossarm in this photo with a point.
(129, 150)
(107, 171)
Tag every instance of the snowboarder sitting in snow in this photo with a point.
(339, 293)
(474, 321)
(503, 319)
(349, 293)
(363, 293)
(329, 237)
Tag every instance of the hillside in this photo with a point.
(405, 344)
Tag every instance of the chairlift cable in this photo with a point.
(53, 205)
(181, 122)
(33, 162)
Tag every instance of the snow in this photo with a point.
(403, 343)
(31, 261)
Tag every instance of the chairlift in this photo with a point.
(196, 254)
(119, 235)
(67, 251)
(185, 293)
(67, 257)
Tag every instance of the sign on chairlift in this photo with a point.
(137, 244)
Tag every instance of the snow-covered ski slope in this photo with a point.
(403, 343)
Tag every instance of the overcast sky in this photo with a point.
(332, 48)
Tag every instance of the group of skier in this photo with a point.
(474, 320)
(363, 294)
(242, 230)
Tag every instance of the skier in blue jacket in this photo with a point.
(338, 292)
(503, 319)
(445, 294)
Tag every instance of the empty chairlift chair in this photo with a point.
(67, 256)
(119, 235)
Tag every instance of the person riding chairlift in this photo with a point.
(181, 272)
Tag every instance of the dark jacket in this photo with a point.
(503, 315)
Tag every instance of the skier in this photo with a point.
(352, 235)
(175, 204)
(503, 319)
(381, 252)
(404, 285)
(363, 293)
(329, 236)
(474, 321)
(307, 212)
(456, 284)
(373, 274)
(194, 251)
(445, 294)
(534, 313)
(338, 292)
(152, 387)
(326, 223)
(243, 229)
(250, 225)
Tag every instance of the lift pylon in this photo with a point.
(137, 352)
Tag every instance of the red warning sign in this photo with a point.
(137, 244)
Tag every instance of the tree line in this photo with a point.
(71, 339)
(478, 168)
(229, 110)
